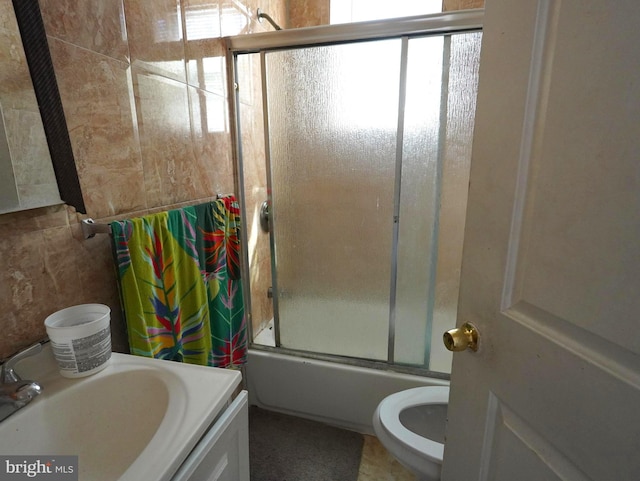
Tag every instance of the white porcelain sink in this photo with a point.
(137, 419)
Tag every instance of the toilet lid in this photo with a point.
(391, 407)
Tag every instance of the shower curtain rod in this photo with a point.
(90, 227)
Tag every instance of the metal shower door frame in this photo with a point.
(404, 28)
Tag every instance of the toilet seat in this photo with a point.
(389, 411)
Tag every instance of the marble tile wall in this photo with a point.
(448, 5)
(308, 13)
(142, 86)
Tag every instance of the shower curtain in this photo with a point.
(180, 285)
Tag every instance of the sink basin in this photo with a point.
(137, 419)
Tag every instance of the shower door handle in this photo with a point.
(461, 338)
(264, 216)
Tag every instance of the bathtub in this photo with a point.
(338, 394)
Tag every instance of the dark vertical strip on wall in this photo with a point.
(36, 48)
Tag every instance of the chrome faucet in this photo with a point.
(16, 393)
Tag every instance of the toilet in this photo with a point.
(410, 425)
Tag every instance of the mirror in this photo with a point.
(37, 167)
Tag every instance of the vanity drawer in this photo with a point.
(223, 452)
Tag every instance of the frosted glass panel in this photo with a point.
(442, 81)
(255, 191)
(464, 60)
(419, 199)
(332, 114)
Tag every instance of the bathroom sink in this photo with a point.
(137, 419)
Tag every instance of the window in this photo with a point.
(347, 11)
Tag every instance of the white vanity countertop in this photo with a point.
(137, 419)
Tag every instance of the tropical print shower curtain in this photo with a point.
(180, 285)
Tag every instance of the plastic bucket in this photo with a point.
(80, 339)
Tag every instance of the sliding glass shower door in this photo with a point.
(333, 120)
(366, 142)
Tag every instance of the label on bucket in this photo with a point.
(84, 354)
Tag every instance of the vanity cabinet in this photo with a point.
(222, 454)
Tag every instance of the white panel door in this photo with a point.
(551, 264)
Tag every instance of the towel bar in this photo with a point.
(90, 228)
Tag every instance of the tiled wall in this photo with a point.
(448, 5)
(143, 94)
(308, 13)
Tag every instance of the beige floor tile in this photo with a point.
(377, 464)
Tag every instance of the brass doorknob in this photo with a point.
(461, 338)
